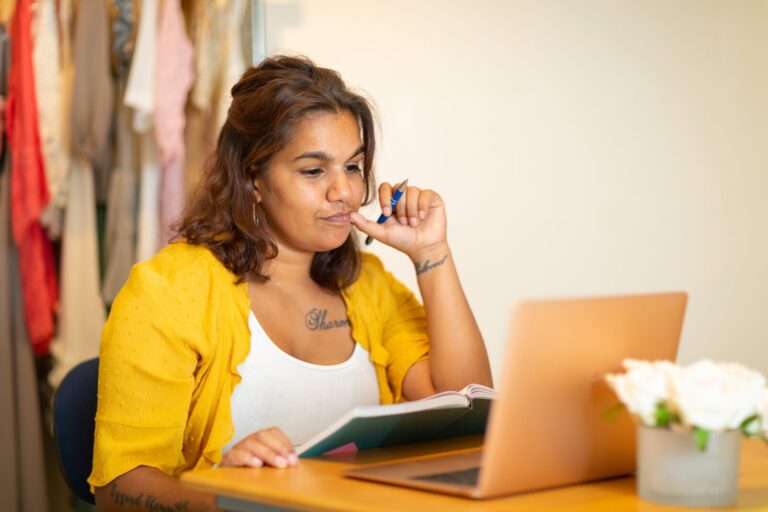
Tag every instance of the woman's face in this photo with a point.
(314, 183)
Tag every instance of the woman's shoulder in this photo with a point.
(370, 260)
(182, 255)
(374, 279)
(180, 268)
(181, 260)
(371, 269)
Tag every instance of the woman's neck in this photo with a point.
(289, 267)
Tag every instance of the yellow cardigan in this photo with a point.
(170, 349)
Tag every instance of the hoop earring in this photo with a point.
(255, 218)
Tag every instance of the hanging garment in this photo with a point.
(65, 8)
(29, 190)
(140, 95)
(140, 92)
(122, 37)
(120, 232)
(219, 64)
(50, 107)
(199, 143)
(122, 199)
(148, 228)
(208, 25)
(233, 59)
(22, 466)
(82, 313)
(4, 52)
(6, 10)
(82, 310)
(208, 29)
(92, 92)
(173, 80)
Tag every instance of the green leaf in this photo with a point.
(702, 438)
(747, 422)
(613, 413)
(664, 417)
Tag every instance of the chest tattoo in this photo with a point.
(316, 321)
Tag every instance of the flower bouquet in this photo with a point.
(690, 420)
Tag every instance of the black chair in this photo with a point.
(74, 413)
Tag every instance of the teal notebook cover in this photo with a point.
(472, 422)
(406, 427)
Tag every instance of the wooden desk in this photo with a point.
(317, 484)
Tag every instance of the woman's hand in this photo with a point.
(418, 223)
(266, 447)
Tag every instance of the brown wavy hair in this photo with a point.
(267, 102)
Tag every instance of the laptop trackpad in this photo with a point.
(457, 469)
(466, 477)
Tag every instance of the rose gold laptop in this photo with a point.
(548, 426)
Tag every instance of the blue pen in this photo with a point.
(395, 198)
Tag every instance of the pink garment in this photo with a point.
(29, 188)
(173, 79)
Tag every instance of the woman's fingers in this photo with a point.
(270, 446)
(275, 438)
(369, 227)
(401, 213)
(385, 198)
(266, 453)
(412, 207)
(407, 208)
(426, 199)
(411, 200)
(274, 448)
(237, 457)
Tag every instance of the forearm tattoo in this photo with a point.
(315, 321)
(426, 266)
(145, 501)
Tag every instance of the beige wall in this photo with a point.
(583, 147)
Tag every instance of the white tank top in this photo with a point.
(299, 398)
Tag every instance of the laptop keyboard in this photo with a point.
(467, 477)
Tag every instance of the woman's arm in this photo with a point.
(149, 489)
(457, 352)
(457, 355)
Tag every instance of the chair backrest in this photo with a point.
(74, 413)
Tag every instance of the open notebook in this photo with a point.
(447, 414)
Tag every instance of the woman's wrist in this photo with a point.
(430, 257)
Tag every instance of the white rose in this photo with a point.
(642, 387)
(716, 396)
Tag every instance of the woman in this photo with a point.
(264, 322)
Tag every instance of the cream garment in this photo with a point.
(140, 95)
(49, 88)
(208, 30)
(148, 225)
(299, 398)
(140, 91)
(82, 315)
(232, 58)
